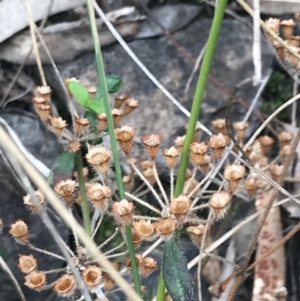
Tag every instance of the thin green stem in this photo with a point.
(113, 141)
(84, 203)
(198, 97)
(197, 101)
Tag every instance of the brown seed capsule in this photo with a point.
(19, 231)
(102, 121)
(149, 175)
(273, 24)
(233, 174)
(138, 259)
(287, 28)
(130, 105)
(240, 127)
(179, 141)
(196, 233)
(124, 136)
(66, 189)
(218, 144)
(249, 150)
(65, 285)
(190, 186)
(144, 228)
(120, 100)
(285, 151)
(198, 150)
(251, 186)
(43, 91)
(165, 227)
(117, 114)
(99, 195)
(99, 157)
(266, 143)
(180, 206)
(196, 132)
(204, 164)
(151, 143)
(123, 210)
(171, 156)
(137, 238)
(147, 266)
(43, 110)
(58, 125)
(285, 138)
(128, 182)
(219, 125)
(275, 171)
(27, 200)
(27, 263)
(81, 124)
(74, 146)
(219, 203)
(35, 280)
(92, 275)
(146, 164)
(291, 57)
(39, 100)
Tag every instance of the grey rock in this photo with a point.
(232, 63)
(44, 146)
(275, 7)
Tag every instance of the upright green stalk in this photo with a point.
(197, 101)
(113, 141)
(84, 202)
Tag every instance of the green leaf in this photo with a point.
(80, 92)
(3, 252)
(63, 168)
(177, 277)
(113, 83)
(92, 117)
(96, 105)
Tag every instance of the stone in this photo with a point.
(44, 146)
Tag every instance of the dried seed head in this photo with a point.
(128, 182)
(233, 174)
(273, 24)
(19, 231)
(137, 238)
(123, 210)
(240, 127)
(196, 132)
(65, 285)
(43, 91)
(39, 100)
(219, 203)
(27, 263)
(219, 125)
(179, 141)
(43, 110)
(30, 203)
(146, 164)
(138, 259)
(144, 228)
(92, 275)
(116, 115)
(66, 190)
(149, 175)
(147, 266)
(251, 186)
(198, 150)
(92, 90)
(287, 28)
(74, 146)
(171, 156)
(151, 143)
(276, 171)
(102, 121)
(218, 144)
(35, 280)
(293, 41)
(249, 150)
(285, 138)
(120, 100)
(99, 157)
(58, 125)
(165, 227)
(124, 136)
(190, 186)
(196, 233)
(130, 105)
(292, 59)
(204, 164)
(285, 151)
(99, 195)
(265, 142)
(81, 124)
(180, 206)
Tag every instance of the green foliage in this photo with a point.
(176, 275)
(113, 83)
(63, 168)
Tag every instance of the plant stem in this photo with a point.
(113, 141)
(84, 203)
(198, 97)
(197, 101)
